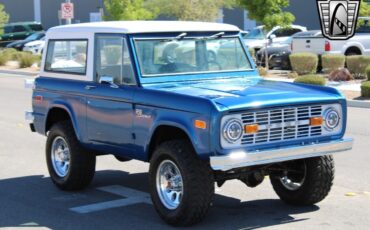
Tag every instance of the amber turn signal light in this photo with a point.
(251, 129)
(200, 124)
(316, 121)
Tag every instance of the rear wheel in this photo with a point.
(305, 182)
(181, 185)
(70, 166)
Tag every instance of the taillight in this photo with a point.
(327, 46)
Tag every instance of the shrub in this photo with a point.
(340, 75)
(4, 58)
(365, 89)
(26, 59)
(311, 79)
(368, 73)
(292, 75)
(304, 63)
(332, 62)
(357, 65)
(7, 55)
(9, 51)
(262, 71)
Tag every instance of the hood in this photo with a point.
(239, 93)
(35, 43)
(255, 43)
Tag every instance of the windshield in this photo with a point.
(35, 36)
(256, 33)
(168, 57)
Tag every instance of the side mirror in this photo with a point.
(108, 80)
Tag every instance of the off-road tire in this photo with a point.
(316, 186)
(198, 183)
(82, 163)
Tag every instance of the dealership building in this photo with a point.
(48, 12)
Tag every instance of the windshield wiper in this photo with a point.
(218, 35)
(177, 38)
(181, 36)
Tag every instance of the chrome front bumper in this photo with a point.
(242, 159)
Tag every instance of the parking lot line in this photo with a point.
(132, 196)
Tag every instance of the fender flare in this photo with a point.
(68, 109)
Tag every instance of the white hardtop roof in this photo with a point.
(136, 27)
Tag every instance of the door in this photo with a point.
(109, 102)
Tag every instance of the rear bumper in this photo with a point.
(244, 159)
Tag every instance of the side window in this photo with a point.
(36, 27)
(8, 29)
(18, 29)
(67, 56)
(113, 60)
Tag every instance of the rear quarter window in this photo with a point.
(18, 29)
(67, 56)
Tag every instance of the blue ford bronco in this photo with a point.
(185, 97)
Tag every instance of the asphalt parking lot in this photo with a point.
(118, 198)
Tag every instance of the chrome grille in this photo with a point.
(282, 124)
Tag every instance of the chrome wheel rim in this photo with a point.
(169, 184)
(294, 181)
(60, 156)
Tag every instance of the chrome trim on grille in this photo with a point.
(282, 124)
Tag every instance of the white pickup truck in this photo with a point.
(314, 42)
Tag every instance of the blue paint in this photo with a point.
(123, 120)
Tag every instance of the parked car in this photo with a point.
(18, 31)
(278, 57)
(35, 47)
(258, 37)
(21, 43)
(136, 90)
(315, 42)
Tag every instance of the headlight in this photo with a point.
(331, 118)
(233, 130)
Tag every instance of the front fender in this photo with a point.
(152, 118)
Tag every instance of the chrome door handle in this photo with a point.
(88, 87)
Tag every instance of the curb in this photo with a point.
(358, 104)
(19, 72)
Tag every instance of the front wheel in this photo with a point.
(305, 182)
(181, 185)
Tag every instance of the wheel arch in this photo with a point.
(165, 132)
(353, 49)
(60, 112)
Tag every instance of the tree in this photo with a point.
(192, 10)
(364, 9)
(128, 10)
(268, 12)
(4, 17)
